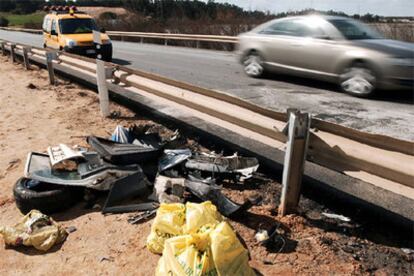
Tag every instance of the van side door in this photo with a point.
(46, 30)
(54, 40)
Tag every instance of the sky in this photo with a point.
(380, 7)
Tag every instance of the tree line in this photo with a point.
(166, 9)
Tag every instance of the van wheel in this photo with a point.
(358, 80)
(254, 65)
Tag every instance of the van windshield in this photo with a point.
(77, 26)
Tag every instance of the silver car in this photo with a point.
(329, 48)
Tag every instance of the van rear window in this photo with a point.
(77, 26)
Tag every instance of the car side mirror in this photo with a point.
(102, 30)
(53, 32)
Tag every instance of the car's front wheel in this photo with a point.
(358, 80)
(254, 65)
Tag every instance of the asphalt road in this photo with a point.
(389, 113)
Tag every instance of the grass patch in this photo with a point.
(20, 20)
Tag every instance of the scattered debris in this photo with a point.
(272, 238)
(213, 193)
(13, 164)
(35, 229)
(31, 86)
(94, 173)
(126, 188)
(64, 158)
(71, 229)
(223, 164)
(121, 135)
(104, 258)
(338, 217)
(169, 190)
(261, 235)
(146, 149)
(142, 217)
(172, 158)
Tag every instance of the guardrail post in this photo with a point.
(50, 56)
(26, 61)
(197, 44)
(101, 76)
(166, 42)
(12, 52)
(142, 40)
(3, 48)
(295, 156)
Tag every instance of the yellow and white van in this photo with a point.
(71, 31)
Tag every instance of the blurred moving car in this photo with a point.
(329, 48)
(72, 31)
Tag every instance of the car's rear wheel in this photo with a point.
(358, 80)
(254, 65)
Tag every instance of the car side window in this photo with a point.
(293, 28)
(53, 28)
(46, 25)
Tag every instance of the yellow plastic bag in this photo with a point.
(198, 215)
(202, 254)
(35, 229)
(229, 255)
(168, 223)
(178, 219)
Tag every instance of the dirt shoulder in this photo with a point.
(36, 116)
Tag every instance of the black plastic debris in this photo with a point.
(213, 193)
(129, 187)
(172, 158)
(145, 149)
(142, 217)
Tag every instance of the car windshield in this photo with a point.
(77, 26)
(354, 30)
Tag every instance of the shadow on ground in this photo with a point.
(397, 96)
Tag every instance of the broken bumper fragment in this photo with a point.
(94, 173)
(223, 164)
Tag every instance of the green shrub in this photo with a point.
(4, 22)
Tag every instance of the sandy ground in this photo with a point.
(31, 119)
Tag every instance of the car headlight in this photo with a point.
(71, 43)
(402, 61)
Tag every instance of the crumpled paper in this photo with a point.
(34, 229)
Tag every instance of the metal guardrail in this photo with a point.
(383, 161)
(163, 36)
